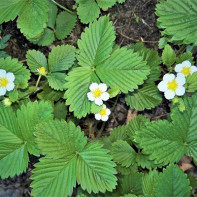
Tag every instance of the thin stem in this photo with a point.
(182, 49)
(67, 10)
(38, 81)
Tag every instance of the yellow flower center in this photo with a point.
(97, 93)
(103, 112)
(172, 85)
(186, 70)
(3, 82)
(42, 71)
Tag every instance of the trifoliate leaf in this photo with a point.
(185, 56)
(105, 4)
(78, 82)
(21, 73)
(123, 153)
(9, 9)
(191, 83)
(124, 70)
(28, 21)
(88, 11)
(96, 42)
(168, 56)
(172, 182)
(95, 170)
(56, 80)
(36, 60)
(58, 139)
(60, 111)
(65, 23)
(178, 19)
(61, 58)
(147, 97)
(49, 94)
(50, 172)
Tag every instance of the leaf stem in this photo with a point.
(38, 81)
(67, 10)
(182, 49)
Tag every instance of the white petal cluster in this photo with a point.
(98, 93)
(6, 82)
(185, 68)
(103, 114)
(172, 85)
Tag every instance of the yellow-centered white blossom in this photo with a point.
(103, 114)
(172, 86)
(6, 82)
(98, 93)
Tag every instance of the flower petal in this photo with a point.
(105, 96)
(98, 116)
(169, 94)
(10, 86)
(180, 75)
(180, 79)
(186, 63)
(104, 107)
(168, 77)
(178, 68)
(193, 69)
(2, 91)
(93, 86)
(2, 73)
(108, 112)
(103, 87)
(10, 76)
(180, 91)
(98, 101)
(104, 118)
(162, 86)
(90, 96)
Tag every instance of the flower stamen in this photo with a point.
(3, 82)
(172, 85)
(97, 93)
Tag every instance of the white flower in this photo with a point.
(103, 114)
(7, 102)
(172, 85)
(98, 93)
(6, 82)
(185, 68)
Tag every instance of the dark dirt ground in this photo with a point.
(134, 21)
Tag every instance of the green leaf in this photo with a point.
(162, 42)
(36, 60)
(147, 97)
(21, 73)
(178, 19)
(61, 58)
(51, 172)
(95, 108)
(191, 83)
(95, 170)
(124, 70)
(145, 162)
(172, 182)
(88, 11)
(60, 111)
(123, 153)
(9, 9)
(56, 80)
(3, 41)
(13, 95)
(105, 4)
(52, 14)
(78, 82)
(58, 139)
(65, 23)
(185, 56)
(96, 42)
(113, 92)
(168, 56)
(28, 21)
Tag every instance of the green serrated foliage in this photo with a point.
(168, 56)
(60, 111)
(16, 136)
(65, 23)
(178, 19)
(172, 182)
(113, 92)
(147, 97)
(21, 73)
(191, 83)
(3, 41)
(123, 153)
(162, 42)
(13, 95)
(52, 14)
(105, 4)
(126, 171)
(185, 56)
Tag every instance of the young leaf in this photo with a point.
(147, 97)
(96, 42)
(123, 153)
(168, 56)
(172, 182)
(178, 19)
(64, 24)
